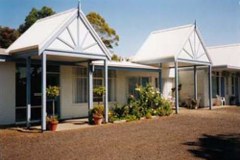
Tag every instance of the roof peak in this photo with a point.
(172, 28)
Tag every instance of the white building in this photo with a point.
(64, 50)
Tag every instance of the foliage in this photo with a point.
(53, 91)
(52, 119)
(130, 118)
(148, 102)
(98, 111)
(100, 91)
(165, 109)
(108, 35)
(119, 111)
(149, 98)
(148, 115)
(33, 16)
(7, 36)
(116, 58)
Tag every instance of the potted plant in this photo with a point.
(52, 122)
(52, 93)
(97, 114)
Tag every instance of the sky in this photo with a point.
(133, 20)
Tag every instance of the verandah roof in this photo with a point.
(225, 56)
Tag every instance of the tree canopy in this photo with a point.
(108, 35)
(7, 36)
(33, 16)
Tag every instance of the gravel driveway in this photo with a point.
(192, 134)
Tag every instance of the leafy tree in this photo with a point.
(7, 36)
(33, 16)
(116, 58)
(108, 35)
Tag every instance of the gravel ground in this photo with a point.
(192, 134)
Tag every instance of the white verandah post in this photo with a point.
(210, 86)
(160, 79)
(195, 82)
(106, 90)
(44, 96)
(176, 88)
(90, 86)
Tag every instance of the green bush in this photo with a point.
(165, 109)
(148, 102)
(118, 112)
(148, 115)
(130, 118)
(149, 98)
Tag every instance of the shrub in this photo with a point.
(165, 109)
(120, 111)
(148, 115)
(130, 118)
(149, 98)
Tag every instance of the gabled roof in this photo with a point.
(175, 44)
(66, 31)
(225, 55)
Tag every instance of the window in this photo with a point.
(233, 84)
(98, 80)
(133, 82)
(156, 83)
(222, 86)
(215, 85)
(80, 84)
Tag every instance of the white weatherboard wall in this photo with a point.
(7, 93)
(68, 108)
(168, 81)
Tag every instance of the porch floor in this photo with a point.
(70, 124)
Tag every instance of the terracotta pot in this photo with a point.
(53, 126)
(97, 120)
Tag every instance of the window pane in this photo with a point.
(80, 84)
(133, 82)
(145, 81)
(156, 83)
(214, 86)
(98, 73)
(222, 87)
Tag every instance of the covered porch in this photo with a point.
(174, 49)
(65, 38)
